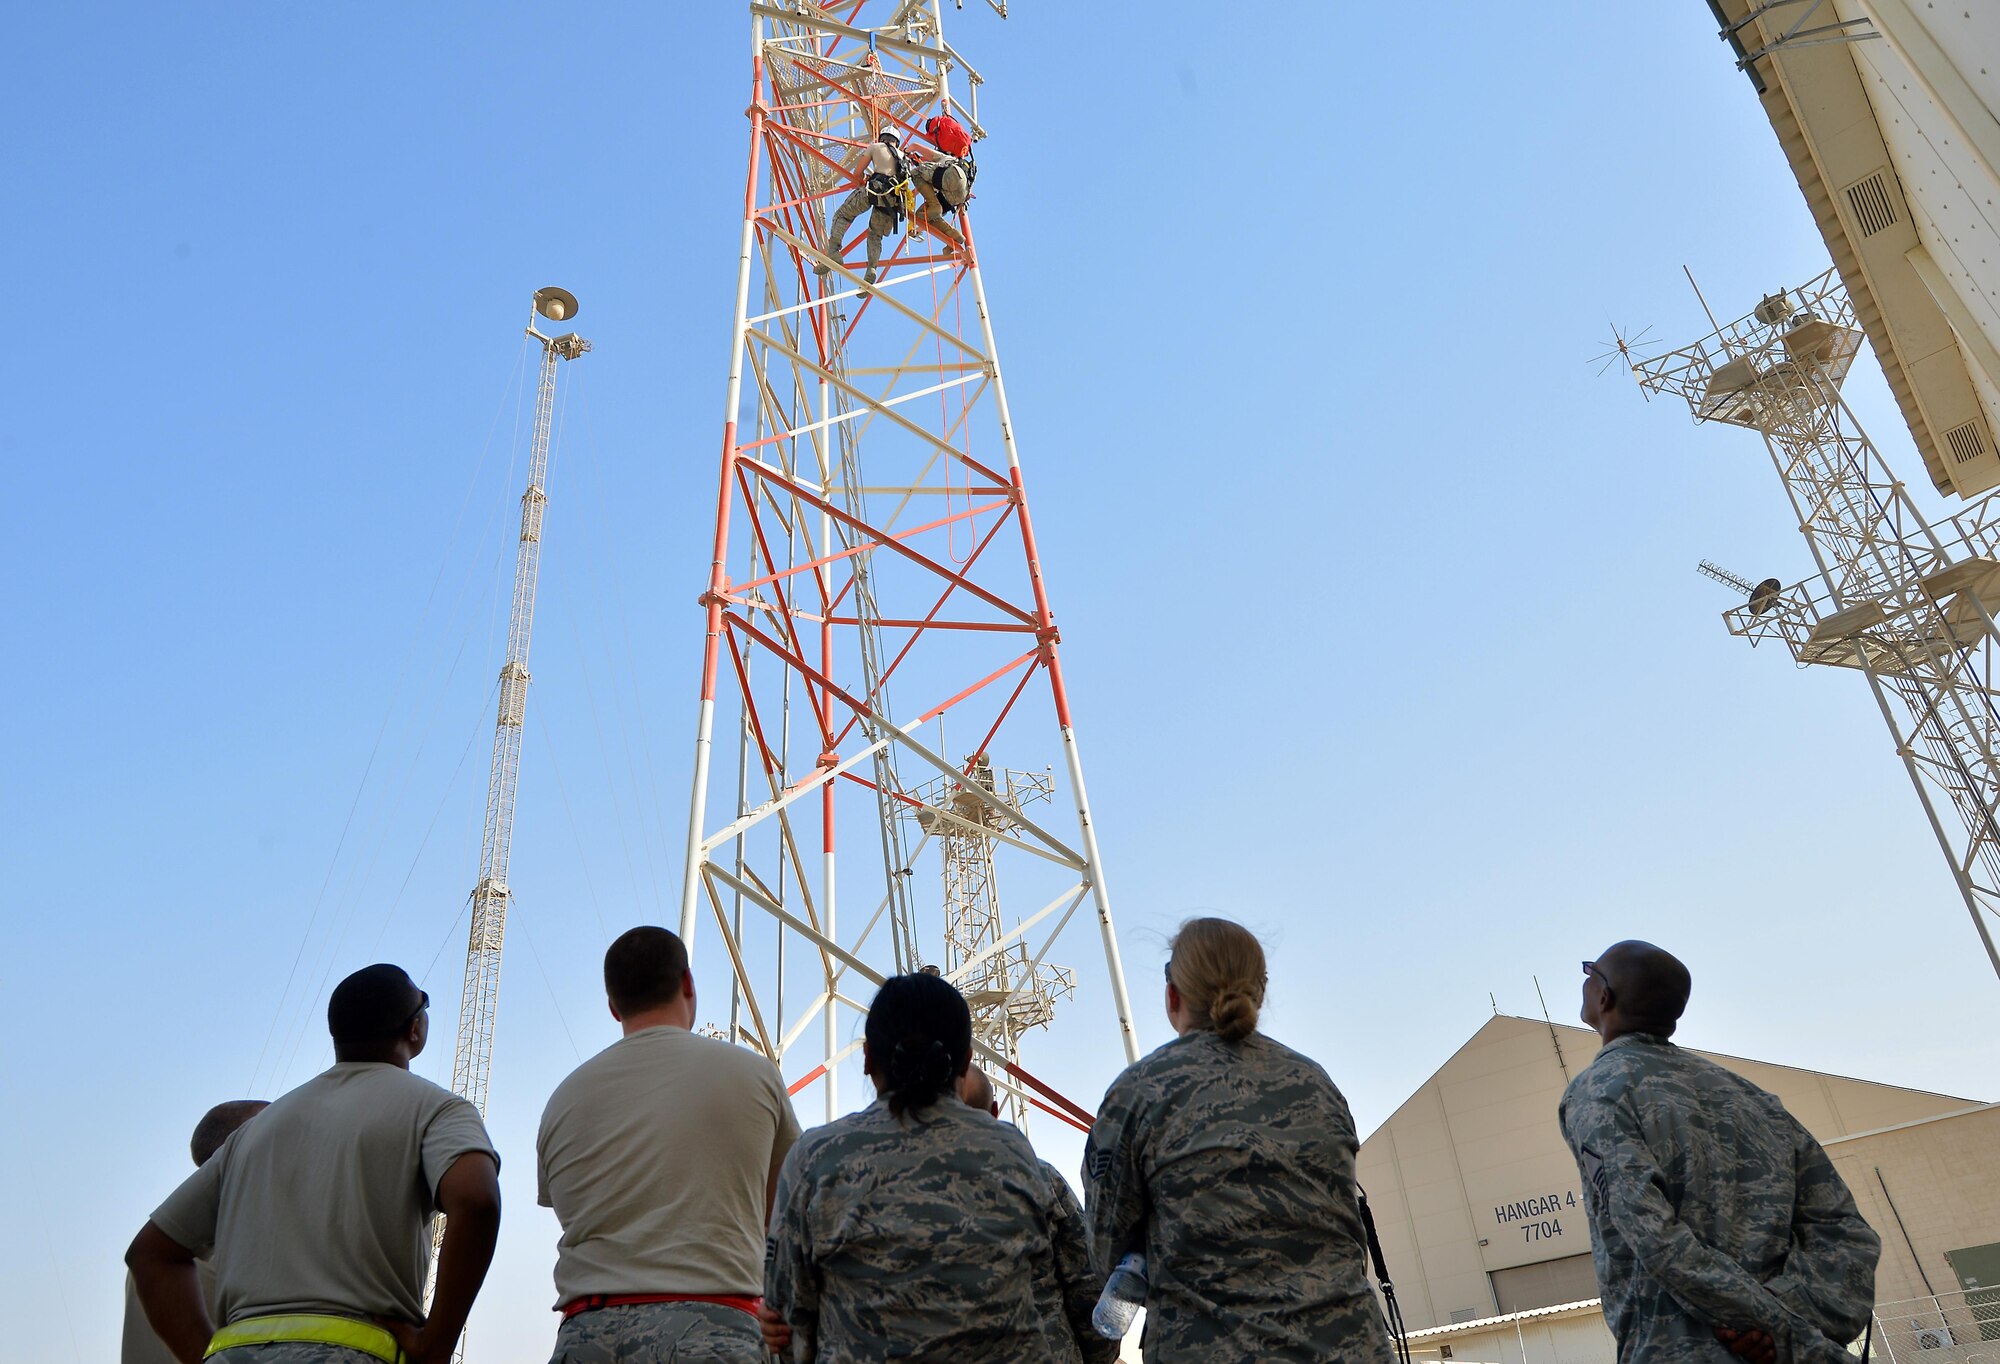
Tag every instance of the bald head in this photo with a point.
(976, 1091)
(216, 1125)
(1634, 986)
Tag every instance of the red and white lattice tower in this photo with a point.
(874, 580)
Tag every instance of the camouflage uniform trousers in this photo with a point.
(660, 1333)
(882, 221)
(292, 1352)
(931, 207)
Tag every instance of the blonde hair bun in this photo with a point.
(1234, 1015)
(1218, 967)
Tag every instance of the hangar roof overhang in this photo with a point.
(1816, 100)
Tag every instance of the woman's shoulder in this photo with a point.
(830, 1143)
(1201, 1051)
(971, 1127)
(1173, 1065)
(945, 1145)
(1200, 1057)
(1284, 1065)
(1271, 1052)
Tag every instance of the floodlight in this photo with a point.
(557, 305)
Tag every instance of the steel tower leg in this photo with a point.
(718, 575)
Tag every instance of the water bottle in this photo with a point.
(1124, 1294)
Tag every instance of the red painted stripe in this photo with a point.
(1058, 1113)
(1081, 1114)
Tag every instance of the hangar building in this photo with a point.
(1480, 1210)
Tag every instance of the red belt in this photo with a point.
(597, 1300)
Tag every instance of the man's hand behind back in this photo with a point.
(1751, 1345)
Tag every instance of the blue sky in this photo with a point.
(1378, 604)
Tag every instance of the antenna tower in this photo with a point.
(1906, 603)
(479, 1000)
(472, 1062)
(872, 529)
(1009, 993)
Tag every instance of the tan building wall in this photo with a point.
(1943, 1177)
(1476, 1196)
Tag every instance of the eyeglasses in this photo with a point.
(424, 996)
(1590, 969)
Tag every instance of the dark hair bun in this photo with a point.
(920, 1070)
(919, 1037)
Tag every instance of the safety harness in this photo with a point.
(892, 191)
(311, 1329)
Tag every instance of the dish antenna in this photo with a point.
(1761, 596)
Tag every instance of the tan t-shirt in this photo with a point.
(324, 1203)
(656, 1154)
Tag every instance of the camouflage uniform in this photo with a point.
(920, 1238)
(881, 222)
(660, 1333)
(930, 203)
(1710, 1206)
(1068, 1293)
(1230, 1166)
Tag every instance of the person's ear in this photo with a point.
(687, 983)
(964, 1066)
(616, 1017)
(867, 1059)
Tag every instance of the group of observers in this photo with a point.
(698, 1224)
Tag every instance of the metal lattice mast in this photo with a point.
(472, 1063)
(1009, 992)
(870, 475)
(1906, 603)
